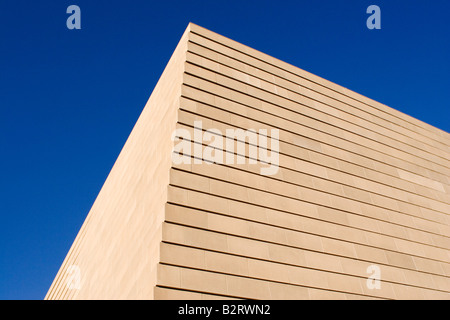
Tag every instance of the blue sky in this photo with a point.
(69, 98)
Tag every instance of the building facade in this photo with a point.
(247, 177)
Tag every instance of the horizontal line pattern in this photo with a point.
(359, 184)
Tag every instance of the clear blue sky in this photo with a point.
(69, 98)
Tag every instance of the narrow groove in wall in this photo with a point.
(300, 266)
(273, 281)
(299, 248)
(201, 292)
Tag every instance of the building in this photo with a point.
(358, 205)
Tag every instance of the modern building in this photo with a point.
(354, 202)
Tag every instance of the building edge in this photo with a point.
(126, 218)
